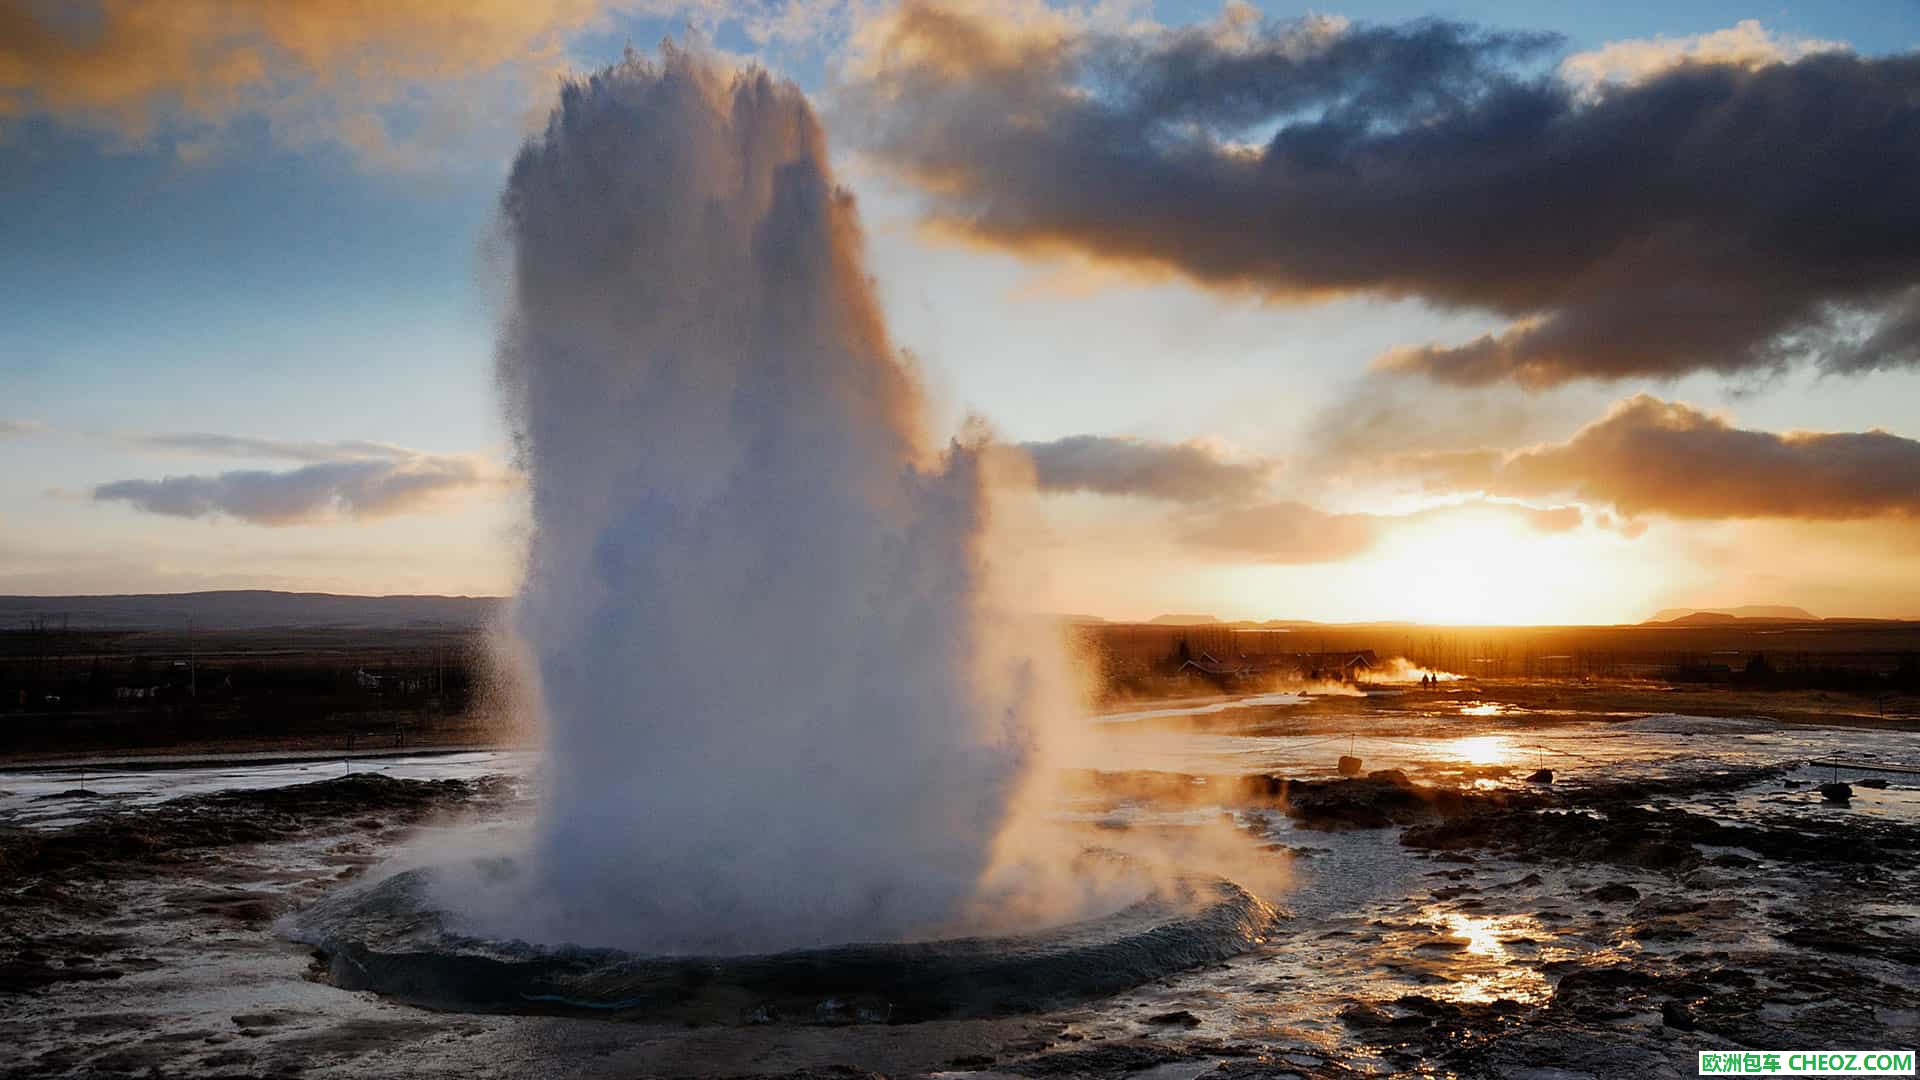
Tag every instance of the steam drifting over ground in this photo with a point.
(762, 606)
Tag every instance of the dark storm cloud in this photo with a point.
(1293, 533)
(1729, 217)
(1107, 465)
(1894, 343)
(362, 489)
(1652, 456)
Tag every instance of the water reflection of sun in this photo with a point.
(1483, 750)
(1489, 970)
(1481, 933)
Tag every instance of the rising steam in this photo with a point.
(784, 705)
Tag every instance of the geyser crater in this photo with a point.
(398, 938)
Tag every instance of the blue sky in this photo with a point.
(219, 277)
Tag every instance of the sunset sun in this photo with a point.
(1477, 568)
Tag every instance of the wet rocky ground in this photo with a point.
(1449, 921)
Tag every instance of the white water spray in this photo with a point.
(783, 705)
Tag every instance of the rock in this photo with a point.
(1702, 879)
(1363, 1015)
(1836, 792)
(1177, 1018)
(1396, 776)
(1109, 1059)
(1792, 784)
(1355, 804)
(181, 827)
(1874, 782)
(1661, 855)
(1601, 994)
(28, 974)
(1349, 766)
(1616, 893)
(1543, 776)
(1676, 1015)
(1449, 835)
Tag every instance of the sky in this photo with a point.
(1467, 312)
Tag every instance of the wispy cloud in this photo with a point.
(1294, 533)
(318, 492)
(1228, 511)
(1649, 456)
(403, 85)
(1114, 465)
(16, 428)
(316, 69)
(1283, 532)
(1632, 229)
(207, 444)
(338, 479)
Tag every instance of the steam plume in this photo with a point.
(784, 705)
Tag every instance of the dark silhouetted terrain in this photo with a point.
(248, 609)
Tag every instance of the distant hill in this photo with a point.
(1184, 620)
(1703, 616)
(247, 609)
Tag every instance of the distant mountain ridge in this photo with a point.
(247, 609)
(1704, 616)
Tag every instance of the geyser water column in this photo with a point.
(787, 713)
(782, 705)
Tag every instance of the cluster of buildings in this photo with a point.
(1347, 667)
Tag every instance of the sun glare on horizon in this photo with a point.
(1484, 568)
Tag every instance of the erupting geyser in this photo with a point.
(783, 705)
(786, 706)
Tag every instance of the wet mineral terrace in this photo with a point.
(1681, 885)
